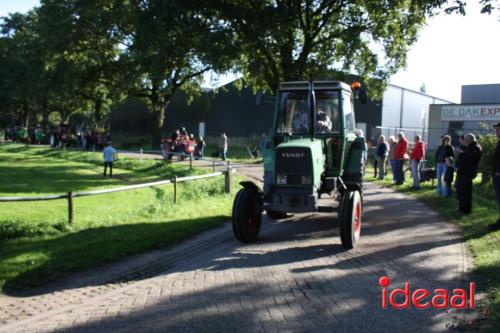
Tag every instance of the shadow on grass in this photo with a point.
(89, 248)
(46, 171)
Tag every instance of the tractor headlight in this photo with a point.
(306, 180)
(281, 179)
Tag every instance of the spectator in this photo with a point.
(223, 146)
(38, 135)
(382, 153)
(262, 144)
(359, 134)
(201, 147)
(392, 156)
(417, 155)
(496, 175)
(466, 172)
(440, 166)
(401, 154)
(449, 156)
(109, 154)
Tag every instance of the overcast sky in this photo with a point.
(452, 50)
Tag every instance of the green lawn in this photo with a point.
(38, 245)
(484, 243)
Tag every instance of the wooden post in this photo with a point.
(227, 180)
(190, 161)
(213, 165)
(141, 154)
(70, 207)
(175, 189)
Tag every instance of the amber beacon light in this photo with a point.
(356, 85)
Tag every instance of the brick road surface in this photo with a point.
(296, 277)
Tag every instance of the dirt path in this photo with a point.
(296, 278)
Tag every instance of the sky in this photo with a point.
(452, 51)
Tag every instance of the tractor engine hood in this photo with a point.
(299, 162)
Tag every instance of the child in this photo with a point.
(109, 154)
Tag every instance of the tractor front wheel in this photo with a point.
(247, 215)
(350, 214)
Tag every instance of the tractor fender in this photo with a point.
(353, 169)
(252, 186)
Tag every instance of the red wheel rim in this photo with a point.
(357, 217)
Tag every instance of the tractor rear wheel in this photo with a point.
(247, 215)
(350, 214)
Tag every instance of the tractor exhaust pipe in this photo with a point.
(311, 101)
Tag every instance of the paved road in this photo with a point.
(295, 278)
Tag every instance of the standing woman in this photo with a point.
(449, 162)
(440, 166)
(392, 157)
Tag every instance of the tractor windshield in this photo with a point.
(294, 116)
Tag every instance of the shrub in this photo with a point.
(488, 143)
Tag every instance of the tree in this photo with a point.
(23, 71)
(423, 89)
(83, 38)
(282, 40)
(171, 44)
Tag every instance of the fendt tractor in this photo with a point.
(312, 151)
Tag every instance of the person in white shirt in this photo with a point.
(109, 154)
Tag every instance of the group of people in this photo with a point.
(183, 144)
(397, 152)
(458, 165)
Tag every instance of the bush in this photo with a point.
(488, 143)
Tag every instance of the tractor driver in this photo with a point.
(326, 117)
(323, 122)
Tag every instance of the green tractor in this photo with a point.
(313, 151)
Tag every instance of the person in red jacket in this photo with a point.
(417, 155)
(401, 154)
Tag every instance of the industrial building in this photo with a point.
(478, 111)
(246, 113)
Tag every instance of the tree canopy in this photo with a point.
(85, 56)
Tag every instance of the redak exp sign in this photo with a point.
(471, 113)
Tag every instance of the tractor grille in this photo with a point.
(294, 162)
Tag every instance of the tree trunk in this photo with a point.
(97, 111)
(45, 116)
(159, 105)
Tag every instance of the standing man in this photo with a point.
(109, 154)
(262, 144)
(417, 155)
(401, 153)
(392, 156)
(223, 145)
(496, 175)
(466, 172)
(382, 153)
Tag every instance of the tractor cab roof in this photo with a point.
(317, 85)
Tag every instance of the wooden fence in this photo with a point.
(70, 195)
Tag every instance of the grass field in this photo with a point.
(38, 245)
(484, 243)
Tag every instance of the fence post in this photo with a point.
(227, 180)
(70, 207)
(190, 161)
(213, 165)
(141, 154)
(175, 189)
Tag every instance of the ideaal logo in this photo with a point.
(422, 298)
